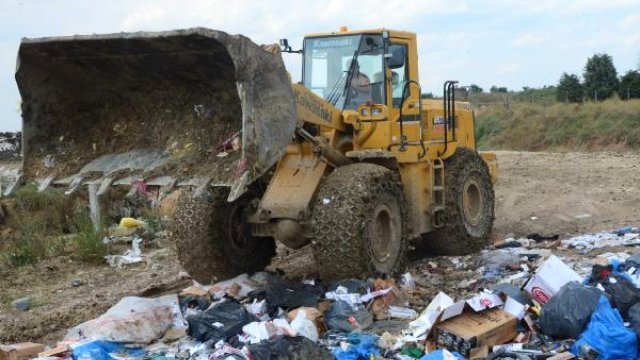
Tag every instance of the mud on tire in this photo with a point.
(358, 223)
(213, 241)
(469, 206)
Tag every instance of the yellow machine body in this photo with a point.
(417, 147)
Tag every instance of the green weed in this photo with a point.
(88, 245)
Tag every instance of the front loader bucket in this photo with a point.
(193, 107)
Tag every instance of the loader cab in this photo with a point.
(349, 69)
(345, 70)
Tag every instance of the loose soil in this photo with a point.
(546, 193)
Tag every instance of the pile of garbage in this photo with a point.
(10, 146)
(517, 302)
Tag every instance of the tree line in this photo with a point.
(600, 82)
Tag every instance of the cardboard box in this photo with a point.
(21, 351)
(57, 351)
(549, 278)
(472, 330)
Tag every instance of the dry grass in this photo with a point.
(42, 223)
(609, 125)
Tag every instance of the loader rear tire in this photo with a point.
(469, 206)
(358, 223)
(214, 241)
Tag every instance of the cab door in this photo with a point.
(401, 76)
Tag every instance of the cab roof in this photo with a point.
(392, 33)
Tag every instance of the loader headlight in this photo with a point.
(376, 111)
(364, 112)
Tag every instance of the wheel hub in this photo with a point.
(381, 230)
(472, 201)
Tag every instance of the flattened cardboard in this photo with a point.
(20, 351)
(56, 351)
(477, 303)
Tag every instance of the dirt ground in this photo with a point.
(546, 193)
(565, 193)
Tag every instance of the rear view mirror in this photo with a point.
(396, 56)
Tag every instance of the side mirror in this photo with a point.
(284, 43)
(396, 56)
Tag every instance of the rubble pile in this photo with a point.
(532, 298)
(10, 146)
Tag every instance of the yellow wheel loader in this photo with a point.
(351, 160)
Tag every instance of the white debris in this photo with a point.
(132, 256)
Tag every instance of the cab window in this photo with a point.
(399, 77)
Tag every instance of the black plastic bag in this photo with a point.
(206, 325)
(289, 348)
(341, 317)
(634, 318)
(569, 311)
(284, 294)
(623, 294)
(538, 238)
(632, 261)
(194, 302)
(353, 286)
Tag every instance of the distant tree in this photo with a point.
(496, 89)
(600, 77)
(569, 89)
(630, 85)
(462, 92)
(427, 96)
(473, 88)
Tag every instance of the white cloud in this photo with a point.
(578, 6)
(144, 17)
(630, 21)
(506, 42)
(554, 8)
(528, 38)
(508, 68)
(632, 40)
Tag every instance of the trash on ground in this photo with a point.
(569, 311)
(131, 256)
(135, 320)
(513, 303)
(220, 322)
(472, 330)
(550, 277)
(20, 351)
(22, 304)
(607, 335)
(600, 240)
(131, 223)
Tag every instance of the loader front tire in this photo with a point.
(358, 223)
(214, 241)
(469, 206)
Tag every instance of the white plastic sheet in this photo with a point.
(304, 327)
(135, 320)
(420, 326)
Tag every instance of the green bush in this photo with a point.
(47, 206)
(29, 245)
(35, 216)
(88, 245)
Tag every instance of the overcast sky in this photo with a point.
(512, 43)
